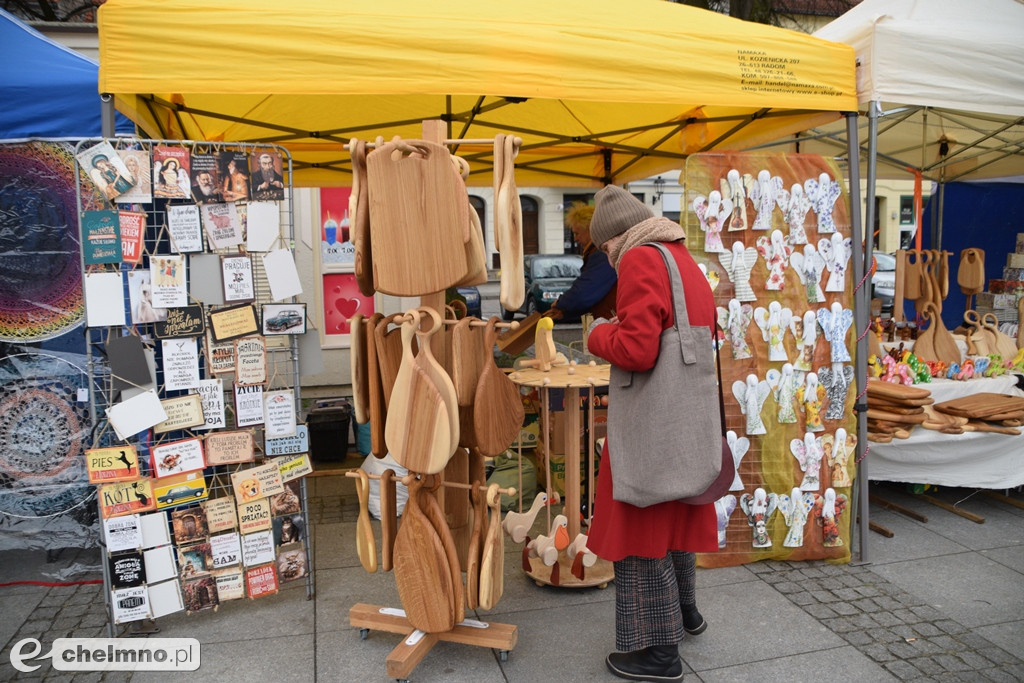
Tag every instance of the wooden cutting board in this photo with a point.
(981, 405)
(389, 352)
(924, 345)
(476, 542)
(467, 359)
(432, 509)
(456, 502)
(359, 219)
(912, 274)
(366, 547)
(416, 210)
(358, 366)
(376, 408)
(418, 428)
(492, 562)
(388, 519)
(439, 377)
(422, 574)
(899, 391)
(971, 273)
(900, 286)
(498, 409)
(476, 256)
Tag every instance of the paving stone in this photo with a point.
(864, 621)
(841, 625)
(928, 666)
(866, 605)
(905, 616)
(788, 587)
(847, 594)
(997, 655)
(947, 643)
(951, 627)
(832, 583)
(812, 572)
(952, 663)
(998, 676)
(974, 641)
(974, 660)
(886, 635)
(927, 630)
(66, 624)
(759, 568)
(868, 591)
(822, 596)
(820, 611)
(887, 602)
(73, 611)
(877, 652)
(844, 608)
(117, 677)
(904, 650)
(803, 599)
(858, 638)
(886, 619)
(927, 613)
(902, 670)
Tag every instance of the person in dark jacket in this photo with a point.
(593, 290)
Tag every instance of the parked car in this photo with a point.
(547, 276)
(883, 281)
(472, 297)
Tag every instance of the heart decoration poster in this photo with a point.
(342, 299)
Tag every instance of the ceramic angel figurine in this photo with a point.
(710, 275)
(724, 507)
(739, 445)
(737, 264)
(775, 253)
(751, 396)
(809, 266)
(836, 381)
(795, 205)
(795, 509)
(734, 322)
(809, 396)
(805, 330)
(823, 194)
(764, 192)
(774, 322)
(827, 510)
(835, 323)
(759, 508)
(712, 212)
(836, 254)
(784, 385)
(808, 452)
(838, 450)
(733, 190)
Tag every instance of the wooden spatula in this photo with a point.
(492, 563)
(376, 408)
(358, 364)
(366, 546)
(359, 218)
(476, 541)
(418, 427)
(498, 409)
(422, 574)
(388, 519)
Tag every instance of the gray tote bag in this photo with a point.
(665, 425)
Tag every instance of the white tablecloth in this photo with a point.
(972, 459)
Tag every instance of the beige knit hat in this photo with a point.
(615, 212)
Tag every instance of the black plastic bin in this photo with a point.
(328, 425)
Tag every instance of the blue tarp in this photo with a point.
(985, 215)
(49, 91)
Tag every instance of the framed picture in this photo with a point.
(231, 323)
(236, 274)
(340, 299)
(284, 319)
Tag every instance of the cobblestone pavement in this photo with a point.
(911, 640)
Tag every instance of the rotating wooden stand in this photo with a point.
(571, 378)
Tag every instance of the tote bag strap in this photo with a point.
(686, 337)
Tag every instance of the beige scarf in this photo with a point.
(656, 229)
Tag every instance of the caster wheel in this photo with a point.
(539, 583)
(402, 680)
(503, 655)
(603, 585)
(364, 633)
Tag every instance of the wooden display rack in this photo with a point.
(571, 378)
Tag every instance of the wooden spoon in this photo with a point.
(492, 562)
(388, 518)
(422, 574)
(418, 427)
(358, 367)
(360, 218)
(366, 546)
(498, 409)
(376, 407)
(476, 541)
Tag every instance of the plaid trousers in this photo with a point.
(649, 597)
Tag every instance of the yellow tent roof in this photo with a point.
(600, 91)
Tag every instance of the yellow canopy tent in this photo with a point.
(601, 91)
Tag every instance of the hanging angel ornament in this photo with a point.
(809, 396)
(751, 396)
(795, 509)
(836, 252)
(795, 205)
(823, 194)
(838, 451)
(808, 452)
(827, 510)
(775, 253)
(774, 322)
(809, 266)
(759, 508)
(738, 445)
(710, 275)
(733, 190)
(764, 192)
(712, 212)
(836, 381)
(724, 507)
(737, 264)
(784, 384)
(734, 322)
(805, 331)
(834, 324)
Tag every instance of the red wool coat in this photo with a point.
(644, 306)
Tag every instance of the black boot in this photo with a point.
(693, 622)
(655, 663)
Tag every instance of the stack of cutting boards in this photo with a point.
(986, 412)
(895, 409)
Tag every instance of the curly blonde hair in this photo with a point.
(579, 215)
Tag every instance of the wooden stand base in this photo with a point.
(416, 644)
(599, 575)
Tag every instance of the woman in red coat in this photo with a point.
(652, 547)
